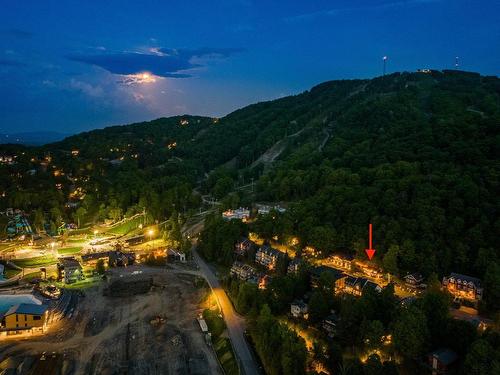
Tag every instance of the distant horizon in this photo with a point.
(58, 135)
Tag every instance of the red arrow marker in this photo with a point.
(370, 252)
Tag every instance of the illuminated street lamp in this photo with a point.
(151, 232)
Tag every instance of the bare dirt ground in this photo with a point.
(111, 335)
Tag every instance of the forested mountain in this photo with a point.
(415, 154)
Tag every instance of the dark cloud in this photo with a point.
(163, 62)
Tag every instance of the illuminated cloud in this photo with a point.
(157, 62)
(139, 78)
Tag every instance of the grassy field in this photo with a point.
(222, 345)
(69, 250)
(126, 226)
(77, 232)
(35, 262)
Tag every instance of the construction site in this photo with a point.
(139, 320)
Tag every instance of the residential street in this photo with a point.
(235, 323)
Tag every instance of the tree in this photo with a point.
(373, 332)
(410, 332)
(318, 307)
(390, 260)
(115, 213)
(39, 220)
(80, 214)
(492, 286)
(482, 359)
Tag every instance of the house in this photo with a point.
(299, 309)
(238, 214)
(119, 259)
(175, 256)
(357, 285)
(24, 318)
(414, 281)
(463, 286)
(329, 324)
(242, 247)
(441, 360)
(341, 261)
(242, 271)
(269, 257)
(336, 276)
(70, 270)
(294, 265)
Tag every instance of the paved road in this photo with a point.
(235, 323)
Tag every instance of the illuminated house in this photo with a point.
(341, 262)
(269, 257)
(24, 318)
(242, 247)
(70, 270)
(356, 285)
(414, 281)
(463, 286)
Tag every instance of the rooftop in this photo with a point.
(474, 280)
(445, 356)
(27, 308)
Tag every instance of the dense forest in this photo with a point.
(415, 154)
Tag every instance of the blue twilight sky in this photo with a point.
(68, 65)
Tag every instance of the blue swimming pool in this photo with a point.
(9, 300)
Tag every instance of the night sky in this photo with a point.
(69, 66)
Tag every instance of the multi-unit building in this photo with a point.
(70, 270)
(340, 261)
(242, 271)
(269, 257)
(463, 286)
(238, 214)
(357, 285)
(414, 281)
(299, 309)
(24, 318)
(243, 246)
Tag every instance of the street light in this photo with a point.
(150, 234)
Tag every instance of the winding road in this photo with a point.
(235, 323)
